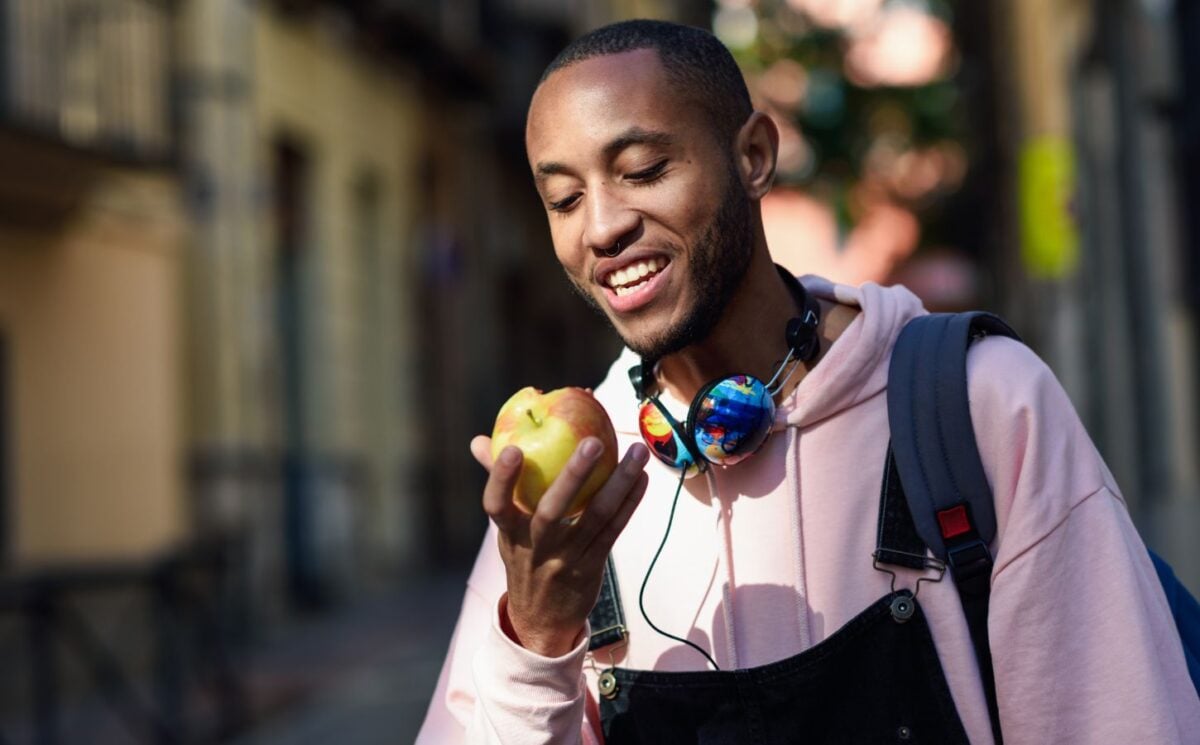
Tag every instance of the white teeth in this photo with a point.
(623, 291)
(634, 272)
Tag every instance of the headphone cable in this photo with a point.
(649, 569)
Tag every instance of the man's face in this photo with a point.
(620, 155)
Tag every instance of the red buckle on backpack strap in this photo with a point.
(954, 521)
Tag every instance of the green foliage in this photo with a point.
(842, 120)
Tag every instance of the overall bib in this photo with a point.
(875, 680)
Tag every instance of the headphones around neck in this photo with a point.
(730, 417)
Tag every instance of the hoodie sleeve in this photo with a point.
(492, 690)
(1083, 643)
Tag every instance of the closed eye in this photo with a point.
(648, 174)
(563, 205)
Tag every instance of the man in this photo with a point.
(651, 164)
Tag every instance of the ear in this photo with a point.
(756, 148)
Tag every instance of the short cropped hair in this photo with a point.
(693, 59)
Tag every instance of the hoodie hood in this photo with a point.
(853, 369)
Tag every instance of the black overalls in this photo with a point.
(875, 680)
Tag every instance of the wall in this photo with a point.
(91, 312)
(357, 119)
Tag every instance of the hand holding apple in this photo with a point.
(554, 566)
(547, 427)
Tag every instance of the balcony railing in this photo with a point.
(184, 608)
(94, 74)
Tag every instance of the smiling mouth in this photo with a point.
(630, 279)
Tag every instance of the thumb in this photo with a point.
(481, 449)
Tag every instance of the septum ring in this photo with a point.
(613, 250)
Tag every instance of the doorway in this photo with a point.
(291, 173)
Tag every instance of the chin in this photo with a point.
(653, 343)
(636, 338)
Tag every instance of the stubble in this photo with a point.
(716, 266)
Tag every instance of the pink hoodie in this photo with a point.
(769, 557)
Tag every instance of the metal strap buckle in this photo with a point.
(606, 679)
(930, 563)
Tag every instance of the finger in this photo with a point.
(481, 448)
(602, 543)
(497, 493)
(558, 498)
(609, 500)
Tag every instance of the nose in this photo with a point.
(609, 219)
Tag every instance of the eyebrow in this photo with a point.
(628, 138)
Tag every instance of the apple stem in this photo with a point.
(536, 421)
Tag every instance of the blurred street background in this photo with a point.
(267, 265)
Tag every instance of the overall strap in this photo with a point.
(937, 459)
(896, 539)
(607, 619)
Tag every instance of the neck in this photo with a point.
(749, 338)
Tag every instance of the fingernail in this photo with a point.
(592, 448)
(510, 456)
(639, 454)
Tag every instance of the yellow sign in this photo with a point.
(1049, 235)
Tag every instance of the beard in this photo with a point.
(716, 266)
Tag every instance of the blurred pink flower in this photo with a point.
(905, 47)
(844, 14)
(803, 235)
(784, 83)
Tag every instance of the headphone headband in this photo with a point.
(801, 331)
(637, 377)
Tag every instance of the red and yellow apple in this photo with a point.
(547, 427)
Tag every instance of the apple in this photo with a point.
(547, 427)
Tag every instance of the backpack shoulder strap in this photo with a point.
(933, 450)
(937, 458)
(932, 436)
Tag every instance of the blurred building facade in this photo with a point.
(369, 278)
(93, 240)
(1092, 235)
(299, 165)
(92, 243)
(265, 268)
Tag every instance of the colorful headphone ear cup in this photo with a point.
(731, 418)
(664, 441)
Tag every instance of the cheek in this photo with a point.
(567, 247)
(686, 205)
